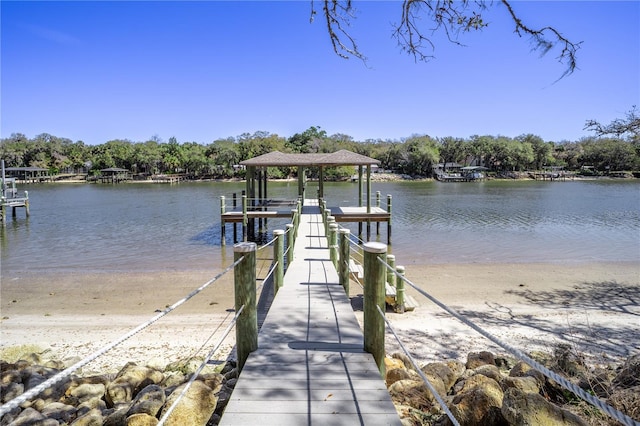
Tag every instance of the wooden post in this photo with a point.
(374, 294)
(244, 217)
(278, 255)
(290, 243)
(359, 186)
(296, 222)
(235, 225)
(223, 239)
(245, 295)
(330, 220)
(378, 205)
(389, 220)
(391, 276)
(400, 291)
(343, 270)
(333, 244)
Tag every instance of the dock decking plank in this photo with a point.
(310, 366)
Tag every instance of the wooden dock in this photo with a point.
(310, 366)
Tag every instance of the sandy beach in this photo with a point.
(594, 307)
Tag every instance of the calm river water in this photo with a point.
(146, 227)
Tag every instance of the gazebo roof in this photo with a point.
(338, 158)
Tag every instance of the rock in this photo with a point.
(446, 377)
(63, 413)
(149, 401)
(393, 363)
(213, 380)
(129, 381)
(411, 392)
(117, 417)
(525, 384)
(522, 369)
(629, 375)
(30, 416)
(141, 419)
(395, 375)
(195, 408)
(529, 409)
(491, 371)
(87, 391)
(10, 391)
(9, 376)
(92, 418)
(479, 402)
(476, 359)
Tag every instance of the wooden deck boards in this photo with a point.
(310, 366)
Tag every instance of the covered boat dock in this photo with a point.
(260, 206)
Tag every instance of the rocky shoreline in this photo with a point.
(486, 390)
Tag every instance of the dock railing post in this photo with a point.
(330, 220)
(235, 225)
(223, 239)
(343, 270)
(245, 295)
(244, 218)
(391, 276)
(400, 291)
(389, 220)
(333, 244)
(296, 221)
(278, 255)
(378, 205)
(374, 294)
(290, 243)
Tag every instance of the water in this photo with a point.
(146, 227)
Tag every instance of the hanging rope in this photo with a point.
(194, 376)
(433, 391)
(15, 403)
(612, 412)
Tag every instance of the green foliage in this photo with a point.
(414, 156)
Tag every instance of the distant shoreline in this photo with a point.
(375, 177)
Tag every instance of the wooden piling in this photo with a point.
(223, 228)
(244, 218)
(389, 220)
(278, 255)
(400, 308)
(391, 276)
(245, 295)
(374, 294)
(377, 205)
(290, 243)
(333, 244)
(343, 270)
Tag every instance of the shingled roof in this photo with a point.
(338, 158)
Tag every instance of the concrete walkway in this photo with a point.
(310, 366)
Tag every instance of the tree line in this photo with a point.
(414, 156)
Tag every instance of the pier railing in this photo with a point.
(378, 272)
(248, 270)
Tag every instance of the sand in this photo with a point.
(593, 307)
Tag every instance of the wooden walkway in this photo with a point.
(310, 366)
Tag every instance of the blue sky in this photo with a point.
(200, 71)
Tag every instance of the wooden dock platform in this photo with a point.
(310, 366)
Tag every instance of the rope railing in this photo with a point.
(16, 402)
(612, 412)
(267, 244)
(426, 381)
(194, 376)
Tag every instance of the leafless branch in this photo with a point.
(568, 53)
(630, 125)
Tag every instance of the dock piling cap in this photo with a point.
(374, 247)
(244, 247)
